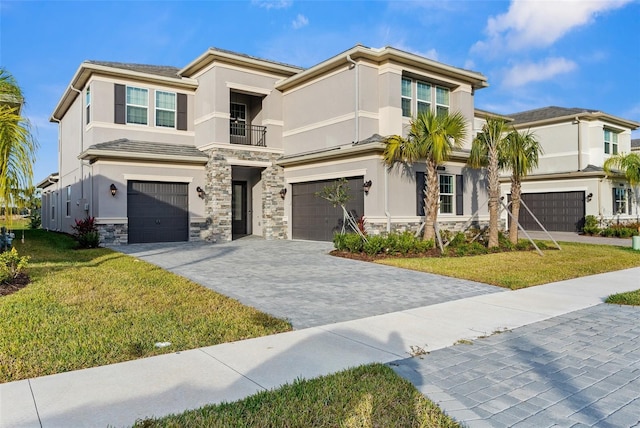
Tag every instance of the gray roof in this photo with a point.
(375, 138)
(255, 57)
(592, 168)
(635, 143)
(159, 70)
(546, 113)
(125, 145)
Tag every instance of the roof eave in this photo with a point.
(583, 115)
(211, 55)
(92, 155)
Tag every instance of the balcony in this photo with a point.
(248, 135)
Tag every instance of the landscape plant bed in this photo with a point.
(21, 281)
(95, 307)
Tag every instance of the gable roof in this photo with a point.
(159, 70)
(554, 114)
(131, 149)
(485, 114)
(386, 54)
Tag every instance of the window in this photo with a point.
(238, 119)
(424, 94)
(451, 193)
(446, 194)
(165, 109)
(68, 207)
(610, 142)
(88, 104)
(619, 200)
(442, 100)
(137, 105)
(407, 97)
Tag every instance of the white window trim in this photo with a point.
(435, 91)
(156, 109)
(612, 143)
(452, 194)
(433, 104)
(232, 119)
(87, 107)
(126, 106)
(404, 97)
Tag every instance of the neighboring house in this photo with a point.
(570, 182)
(232, 145)
(635, 145)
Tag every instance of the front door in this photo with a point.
(239, 208)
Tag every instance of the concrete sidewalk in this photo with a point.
(119, 394)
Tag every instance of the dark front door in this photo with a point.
(157, 211)
(239, 208)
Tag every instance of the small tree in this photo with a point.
(628, 165)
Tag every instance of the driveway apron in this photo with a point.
(299, 281)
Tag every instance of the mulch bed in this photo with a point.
(367, 258)
(21, 281)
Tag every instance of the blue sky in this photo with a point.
(534, 53)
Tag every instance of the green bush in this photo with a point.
(35, 219)
(591, 225)
(338, 241)
(86, 232)
(353, 242)
(89, 240)
(374, 245)
(470, 249)
(11, 265)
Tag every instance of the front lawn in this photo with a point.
(86, 308)
(631, 298)
(366, 396)
(521, 269)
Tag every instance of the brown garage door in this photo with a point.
(557, 211)
(315, 218)
(157, 211)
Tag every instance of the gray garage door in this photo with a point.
(157, 212)
(557, 211)
(315, 218)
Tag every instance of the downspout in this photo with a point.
(59, 169)
(577, 121)
(386, 199)
(356, 101)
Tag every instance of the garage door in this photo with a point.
(157, 212)
(557, 211)
(315, 218)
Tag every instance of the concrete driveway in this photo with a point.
(299, 281)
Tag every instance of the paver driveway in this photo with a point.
(299, 281)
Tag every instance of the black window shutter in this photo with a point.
(420, 182)
(614, 210)
(120, 110)
(459, 195)
(182, 112)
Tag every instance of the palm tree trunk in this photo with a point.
(431, 200)
(516, 190)
(494, 195)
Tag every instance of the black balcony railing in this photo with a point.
(249, 135)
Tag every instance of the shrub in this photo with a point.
(35, 219)
(86, 232)
(339, 241)
(458, 239)
(591, 225)
(11, 265)
(361, 225)
(353, 242)
(470, 249)
(374, 245)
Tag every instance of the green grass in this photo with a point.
(15, 224)
(86, 308)
(521, 269)
(366, 396)
(631, 298)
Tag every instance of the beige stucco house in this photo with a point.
(570, 182)
(231, 145)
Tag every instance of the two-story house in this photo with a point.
(570, 182)
(231, 145)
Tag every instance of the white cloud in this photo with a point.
(300, 21)
(272, 4)
(521, 74)
(540, 23)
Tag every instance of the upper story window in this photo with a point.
(238, 119)
(165, 109)
(418, 96)
(610, 142)
(68, 205)
(137, 105)
(88, 104)
(407, 96)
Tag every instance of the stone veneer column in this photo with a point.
(274, 226)
(218, 198)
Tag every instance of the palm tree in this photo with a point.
(17, 145)
(485, 152)
(432, 138)
(520, 154)
(627, 164)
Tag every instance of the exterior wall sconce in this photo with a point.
(589, 197)
(283, 192)
(366, 187)
(201, 193)
(113, 189)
